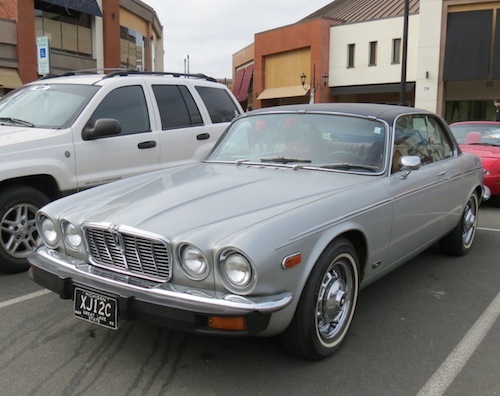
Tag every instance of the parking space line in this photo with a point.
(457, 359)
(488, 229)
(24, 298)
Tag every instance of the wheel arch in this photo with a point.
(360, 244)
(44, 183)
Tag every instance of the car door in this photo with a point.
(456, 170)
(133, 151)
(420, 199)
(190, 125)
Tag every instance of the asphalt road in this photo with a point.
(429, 328)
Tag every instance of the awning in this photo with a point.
(87, 6)
(9, 78)
(370, 89)
(237, 82)
(245, 84)
(283, 92)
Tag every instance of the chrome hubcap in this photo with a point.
(470, 222)
(335, 300)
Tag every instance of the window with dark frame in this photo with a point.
(396, 51)
(373, 54)
(350, 55)
(69, 30)
(219, 104)
(177, 107)
(132, 49)
(128, 106)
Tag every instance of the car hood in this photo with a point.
(10, 135)
(482, 151)
(183, 199)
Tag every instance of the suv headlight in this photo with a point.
(193, 262)
(48, 230)
(71, 235)
(237, 272)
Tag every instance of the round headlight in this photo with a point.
(48, 231)
(193, 262)
(71, 235)
(237, 270)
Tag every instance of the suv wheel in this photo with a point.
(18, 234)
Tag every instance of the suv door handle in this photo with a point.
(146, 145)
(203, 136)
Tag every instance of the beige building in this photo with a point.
(452, 63)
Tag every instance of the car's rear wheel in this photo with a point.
(18, 234)
(326, 306)
(459, 241)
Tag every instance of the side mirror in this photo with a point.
(103, 127)
(408, 164)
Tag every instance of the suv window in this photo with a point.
(177, 107)
(47, 105)
(219, 104)
(128, 106)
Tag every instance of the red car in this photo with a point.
(482, 138)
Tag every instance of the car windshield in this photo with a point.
(329, 141)
(45, 105)
(478, 134)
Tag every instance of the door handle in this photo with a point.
(146, 145)
(444, 175)
(203, 136)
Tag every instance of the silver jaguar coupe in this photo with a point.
(295, 210)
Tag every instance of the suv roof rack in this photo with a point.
(125, 72)
(172, 74)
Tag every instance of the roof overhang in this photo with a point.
(87, 7)
(283, 92)
(9, 78)
(370, 89)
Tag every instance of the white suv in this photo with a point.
(64, 134)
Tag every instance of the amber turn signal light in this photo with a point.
(291, 261)
(238, 323)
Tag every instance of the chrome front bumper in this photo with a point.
(159, 303)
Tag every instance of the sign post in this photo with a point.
(42, 47)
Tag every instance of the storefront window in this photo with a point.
(131, 49)
(469, 111)
(68, 30)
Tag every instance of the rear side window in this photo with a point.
(219, 104)
(177, 107)
(128, 106)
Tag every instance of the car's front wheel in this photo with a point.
(18, 234)
(326, 306)
(459, 241)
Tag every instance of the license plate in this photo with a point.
(96, 308)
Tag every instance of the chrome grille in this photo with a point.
(128, 251)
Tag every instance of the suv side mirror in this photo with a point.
(103, 127)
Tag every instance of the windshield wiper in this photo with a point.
(16, 121)
(285, 160)
(483, 144)
(348, 166)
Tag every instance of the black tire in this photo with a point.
(459, 241)
(327, 304)
(18, 234)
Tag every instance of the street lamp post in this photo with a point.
(313, 83)
(404, 60)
